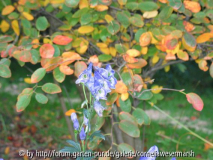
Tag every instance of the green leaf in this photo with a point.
(57, 51)
(38, 75)
(41, 98)
(24, 99)
(112, 98)
(138, 34)
(42, 23)
(58, 75)
(26, 24)
(80, 12)
(145, 95)
(137, 21)
(147, 6)
(35, 56)
(175, 4)
(71, 3)
(69, 150)
(86, 18)
(104, 57)
(5, 71)
(127, 79)
(132, 6)
(123, 19)
(96, 134)
(113, 27)
(141, 116)
(125, 148)
(96, 123)
(74, 144)
(120, 48)
(128, 117)
(125, 105)
(165, 13)
(129, 128)
(5, 61)
(51, 88)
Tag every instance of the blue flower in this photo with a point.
(152, 150)
(98, 108)
(173, 158)
(101, 82)
(86, 120)
(112, 82)
(85, 75)
(90, 85)
(101, 94)
(75, 121)
(111, 72)
(82, 134)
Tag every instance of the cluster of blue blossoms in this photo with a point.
(153, 150)
(99, 85)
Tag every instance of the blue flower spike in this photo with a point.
(82, 134)
(75, 121)
(85, 75)
(98, 108)
(173, 158)
(148, 156)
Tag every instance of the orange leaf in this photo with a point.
(170, 56)
(7, 10)
(183, 55)
(51, 63)
(22, 55)
(61, 40)
(133, 52)
(204, 37)
(47, 51)
(66, 70)
(120, 87)
(129, 59)
(192, 6)
(69, 112)
(69, 57)
(79, 67)
(170, 42)
(188, 26)
(195, 100)
(35, 43)
(101, 8)
(140, 64)
(94, 59)
(145, 39)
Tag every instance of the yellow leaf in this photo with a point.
(7, 150)
(122, 2)
(105, 50)
(112, 51)
(144, 50)
(35, 42)
(183, 55)
(151, 14)
(69, 112)
(155, 59)
(57, 1)
(4, 26)
(109, 18)
(27, 80)
(83, 4)
(101, 45)
(101, 8)
(203, 65)
(46, 40)
(133, 52)
(167, 68)
(28, 16)
(85, 29)
(204, 37)
(145, 39)
(7, 10)
(124, 96)
(156, 89)
(15, 27)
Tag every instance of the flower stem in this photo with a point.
(186, 128)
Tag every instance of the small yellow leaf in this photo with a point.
(144, 50)
(83, 4)
(122, 2)
(124, 96)
(35, 42)
(105, 50)
(28, 16)
(4, 26)
(155, 59)
(46, 40)
(57, 1)
(133, 52)
(85, 29)
(151, 14)
(112, 51)
(167, 68)
(101, 8)
(15, 27)
(27, 80)
(183, 55)
(156, 89)
(109, 18)
(101, 45)
(7, 150)
(7, 10)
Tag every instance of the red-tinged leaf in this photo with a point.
(6, 38)
(211, 70)
(47, 51)
(80, 67)
(22, 55)
(23, 102)
(26, 91)
(38, 75)
(129, 59)
(51, 63)
(195, 100)
(66, 70)
(140, 64)
(69, 57)
(203, 65)
(61, 40)
(5, 71)
(51, 88)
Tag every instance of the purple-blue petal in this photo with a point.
(82, 134)
(98, 108)
(173, 158)
(153, 149)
